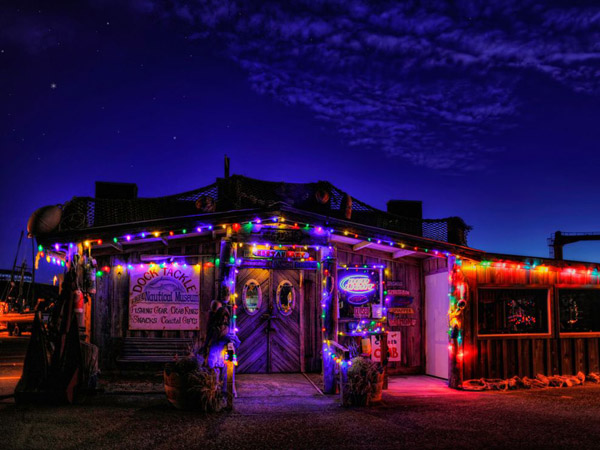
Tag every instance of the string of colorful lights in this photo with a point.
(53, 253)
(329, 353)
(58, 254)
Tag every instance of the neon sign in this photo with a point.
(357, 284)
(358, 300)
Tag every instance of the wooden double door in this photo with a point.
(268, 321)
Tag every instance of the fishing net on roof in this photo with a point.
(239, 192)
(86, 212)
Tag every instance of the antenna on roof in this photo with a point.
(226, 167)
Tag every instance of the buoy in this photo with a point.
(347, 202)
(44, 220)
(206, 204)
(322, 196)
(78, 307)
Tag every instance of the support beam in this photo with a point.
(401, 253)
(116, 246)
(360, 245)
(164, 241)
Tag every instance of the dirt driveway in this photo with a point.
(268, 417)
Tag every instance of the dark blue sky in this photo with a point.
(488, 113)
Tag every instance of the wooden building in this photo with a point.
(304, 265)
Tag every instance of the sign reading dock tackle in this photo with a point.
(164, 298)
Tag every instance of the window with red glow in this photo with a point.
(513, 311)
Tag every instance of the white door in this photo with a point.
(436, 324)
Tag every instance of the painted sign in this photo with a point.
(273, 253)
(394, 284)
(393, 343)
(361, 312)
(402, 310)
(398, 292)
(278, 264)
(164, 298)
(276, 235)
(376, 311)
(400, 302)
(395, 320)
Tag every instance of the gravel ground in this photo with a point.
(549, 418)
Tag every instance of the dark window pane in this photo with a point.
(513, 311)
(285, 298)
(252, 297)
(579, 310)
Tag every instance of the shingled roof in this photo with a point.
(238, 193)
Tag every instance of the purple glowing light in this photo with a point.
(357, 284)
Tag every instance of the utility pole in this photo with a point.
(226, 167)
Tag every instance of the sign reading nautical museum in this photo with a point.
(164, 298)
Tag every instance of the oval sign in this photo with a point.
(357, 284)
(358, 299)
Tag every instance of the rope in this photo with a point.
(539, 382)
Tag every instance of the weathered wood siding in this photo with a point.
(408, 270)
(312, 320)
(506, 356)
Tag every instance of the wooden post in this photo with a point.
(329, 366)
(455, 372)
(225, 253)
(345, 399)
(384, 357)
(329, 309)
(329, 385)
(230, 383)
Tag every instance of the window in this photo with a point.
(579, 310)
(252, 297)
(513, 311)
(285, 298)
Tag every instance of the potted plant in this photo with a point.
(189, 386)
(365, 381)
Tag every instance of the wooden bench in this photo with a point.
(153, 350)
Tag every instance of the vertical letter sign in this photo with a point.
(164, 298)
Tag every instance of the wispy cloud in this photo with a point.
(427, 83)
(431, 82)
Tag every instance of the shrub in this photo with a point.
(363, 375)
(199, 387)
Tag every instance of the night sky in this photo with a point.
(489, 113)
